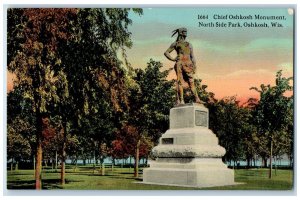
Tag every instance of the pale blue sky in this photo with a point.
(243, 57)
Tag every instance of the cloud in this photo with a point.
(209, 46)
(151, 30)
(256, 45)
(262, 44)
(154, 41)
(241, 74)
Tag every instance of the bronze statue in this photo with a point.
(185, 65)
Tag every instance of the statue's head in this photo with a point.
(182, 32)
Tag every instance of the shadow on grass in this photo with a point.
(128, 178)
(20, 173)
(30, 185)
(17, 185)
(88, 174)
(101, 175)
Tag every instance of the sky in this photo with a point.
(230, 60)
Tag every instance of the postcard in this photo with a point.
(150, 98)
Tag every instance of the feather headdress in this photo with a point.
(179, 31)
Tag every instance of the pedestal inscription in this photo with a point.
(167, 140)
(200, 118)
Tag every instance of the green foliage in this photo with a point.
(230, 123)
(95, 77)
(274, 114)
(92, 67)
(150, 100)
(18, 147)
(33, 56)
(150, 97)
(20, 126)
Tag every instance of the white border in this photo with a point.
(136, 194)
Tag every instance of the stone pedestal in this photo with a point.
(188, 154)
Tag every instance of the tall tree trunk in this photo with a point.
(63, 157)
(39, 153)
(275, 162)
(75, 168)
(56, 161)
(63, 166)
(102, 166)
(102, 169)
(130, 162)
(137, 157)
(94, 162)
(38, 166)
(112, 164)
(271, 154)
(12, 164)
(291, 160)
(265, 162)
(248, 162)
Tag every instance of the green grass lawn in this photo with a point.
(122, 179)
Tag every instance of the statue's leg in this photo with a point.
(193, 89)
(180, 80)
(180, 91)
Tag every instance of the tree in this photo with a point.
(126, 143)
(289, 140)
(150, 98)
(20, 126)
(96, 78)
(66, 57)
(229, 122)
(33, 37)
(273, 114)
(18, 147)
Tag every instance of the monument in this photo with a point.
(188, 154)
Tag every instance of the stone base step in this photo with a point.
(189, 177)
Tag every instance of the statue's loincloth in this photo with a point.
(184, 69)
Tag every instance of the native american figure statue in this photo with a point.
(185, 65)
